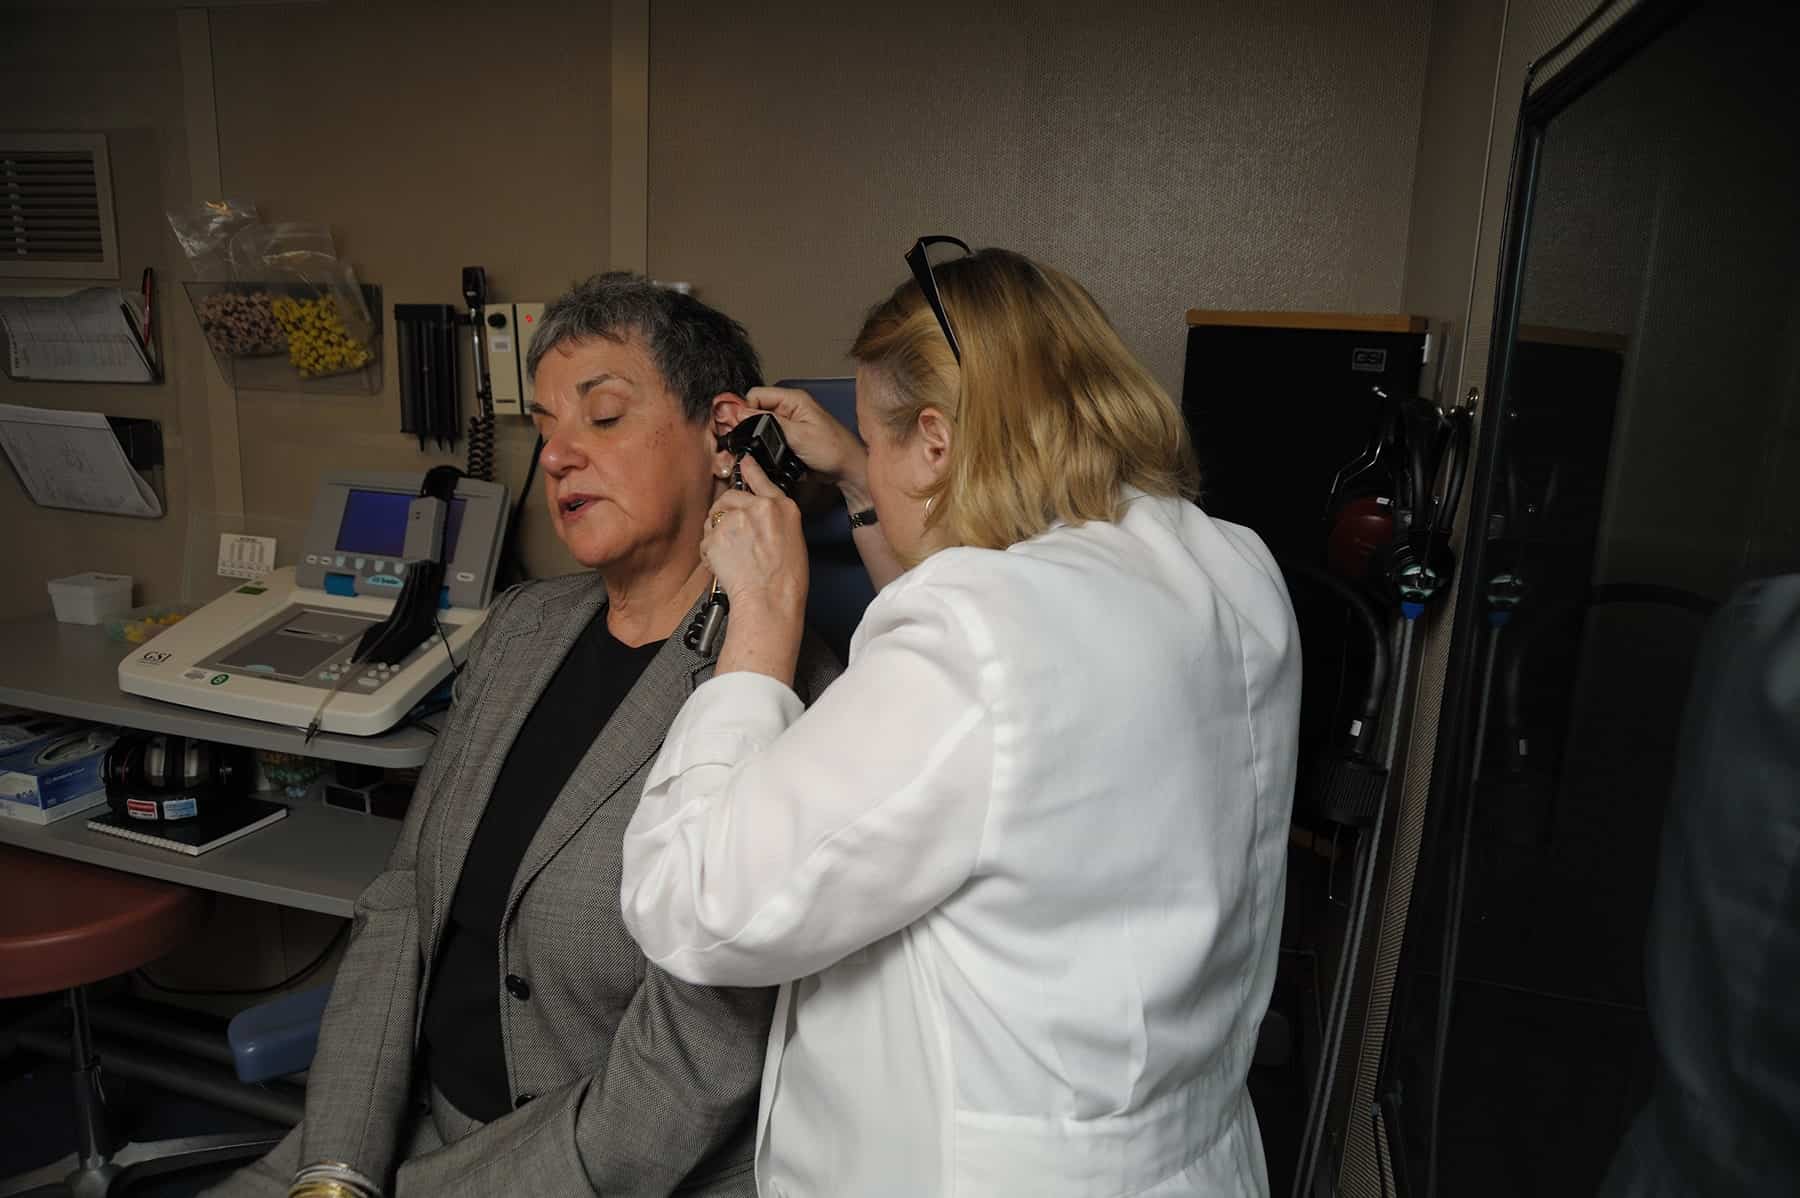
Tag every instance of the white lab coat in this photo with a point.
(1019, 869)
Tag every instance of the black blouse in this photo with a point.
(462, 1046)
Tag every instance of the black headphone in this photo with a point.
(160, 778)
(1359, 508)
(1350, 779)
(1418, 564)
(414, 617)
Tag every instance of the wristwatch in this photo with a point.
(863, 518)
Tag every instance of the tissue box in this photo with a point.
(90, 598)
(57, 778)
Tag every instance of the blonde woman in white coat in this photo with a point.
(1019, 870)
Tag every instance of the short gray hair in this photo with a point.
(700, 351)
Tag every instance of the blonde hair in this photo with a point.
(1052, 414)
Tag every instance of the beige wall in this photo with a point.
(430, 137)
(1184, 155)
(118, 74)
(1220, 155)
(1194, 155)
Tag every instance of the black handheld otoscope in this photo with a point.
(761, 437)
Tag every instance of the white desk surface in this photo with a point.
(72, 670)
(319, 858)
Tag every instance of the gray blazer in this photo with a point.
(628, 1081)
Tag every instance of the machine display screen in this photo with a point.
(297, 643)
(374, 523)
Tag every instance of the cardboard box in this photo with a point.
(56, 778)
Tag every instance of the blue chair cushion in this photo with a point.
(276, 1038)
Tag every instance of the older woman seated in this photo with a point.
(493, 1029)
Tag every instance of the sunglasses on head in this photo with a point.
(921, 269)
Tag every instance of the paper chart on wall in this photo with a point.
(73, 460)
(86, 337)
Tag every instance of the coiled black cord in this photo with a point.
(481, 442)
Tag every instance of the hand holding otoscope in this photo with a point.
(759, 437)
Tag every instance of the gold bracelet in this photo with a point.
(331, 1179)
(323, 1189)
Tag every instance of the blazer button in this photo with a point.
(518, 987)
(522, 1099)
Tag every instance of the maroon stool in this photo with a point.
(64, 924)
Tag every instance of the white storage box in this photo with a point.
(90, 598)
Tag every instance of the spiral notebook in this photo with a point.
(195, 836)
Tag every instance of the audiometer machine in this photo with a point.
(284, 649)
